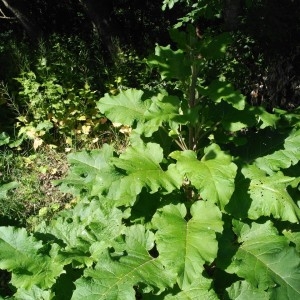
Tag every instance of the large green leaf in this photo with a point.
(257, 195)
(266, 260)
(171, 64)
(242, 290)
(22, 255)
(84, 231)
(213, 175)
(163, 109)
(34, 293)
(142, 166)
(282, 159)
(115, 278)
(214, 47)
(221, 90)
(294, 237)
(200, 289)
(194, 240)
(125, 108)
(90, 171)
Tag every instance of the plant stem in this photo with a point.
(192, 103)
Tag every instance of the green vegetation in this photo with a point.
(174, 176)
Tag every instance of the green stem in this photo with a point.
(192, 104)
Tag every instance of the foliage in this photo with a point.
(52, 100)
(26, 192)
(187, 210)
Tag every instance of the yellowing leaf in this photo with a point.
(30, 132)
(37, 143)
(69, 141)
(81, 118)
(86, 129)
(125, 129)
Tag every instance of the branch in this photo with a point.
(3, 16)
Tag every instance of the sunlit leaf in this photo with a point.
(213, 175)
(125, 108)
(258, 194)
(115, 279)
(266, 260)
(21, 254)
(174, 232)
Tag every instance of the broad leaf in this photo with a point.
(294, 237)
(194, 240)
(86, 229)
(213, 176)
(242, 290)
(125, 108)
(200, 289)
(164, 109)
(32, 294)
(220, 90)
(90, 171)
(115, 279)
(266, 260)
(142, 166)
(265, 118)
(257, 195)
(22, 255)
(214, 47)
(282, 159)
(171, 64)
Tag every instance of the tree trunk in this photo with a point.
(99, 13)
(231, 12)
(29, 25)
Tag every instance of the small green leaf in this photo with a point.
(164, 109)
(194, 240)
(4, 138)
(4, 188)
(293, 237)
(214, 47)
(34, 293)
